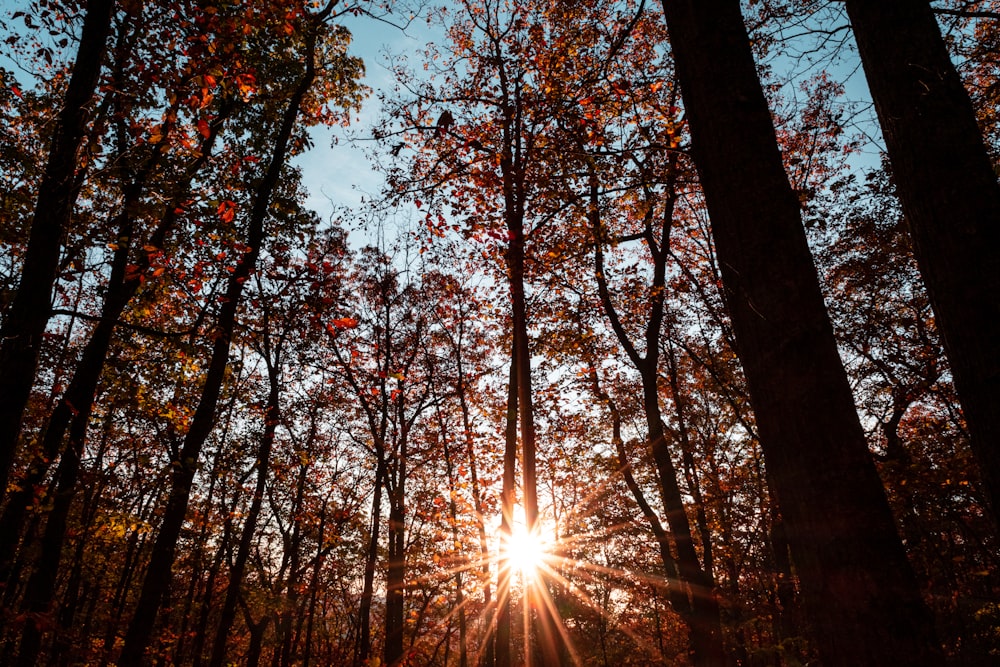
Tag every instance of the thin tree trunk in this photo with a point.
(950, 198)
(256, 635)
(858, 590)
(396, 569)
(157, 578)
(463, 641)
(701, 609)
(368, 589)
(271, 417)
(21, 334)
(487, 645)
(283, 654)
(675, 587)
(314, 589)
(507, 493)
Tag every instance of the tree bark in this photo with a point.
(950, 199)
(858, 589)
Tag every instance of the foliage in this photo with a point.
(347, 493)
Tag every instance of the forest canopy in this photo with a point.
(670, 337)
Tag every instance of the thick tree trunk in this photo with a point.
(950, 199)
(21, 335)
(858, 590)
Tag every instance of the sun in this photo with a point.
(526, 552)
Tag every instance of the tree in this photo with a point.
(858, 590)
(951, 199)
(490, 150)
(25, 321)
(183, 468)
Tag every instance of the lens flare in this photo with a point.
(526, 552)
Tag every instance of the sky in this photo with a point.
(336, 172)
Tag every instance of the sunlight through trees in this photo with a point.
(667, 335)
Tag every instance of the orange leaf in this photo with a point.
(345, 323)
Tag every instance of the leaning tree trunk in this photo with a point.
(76, 403)
(950, 198)
(21, 335)
(693, 595)
(858, 589)
(182, 470)
(74, 409)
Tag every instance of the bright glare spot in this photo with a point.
(525, 552)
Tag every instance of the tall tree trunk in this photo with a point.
(463, 640)
(364, 649)
(507, 494)
(284, 643)
(314, 589)
(700, 609)
(858, 590)
(676, 592)
(396, 569)
(74, 409)
(256, 635)
(183, 469)
(271, 417)
(77, 401)
(486, 643)
(21, 335)
(950, 198)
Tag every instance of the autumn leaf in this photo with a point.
(344, 323)
(226, 211)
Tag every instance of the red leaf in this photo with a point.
(226, 211)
